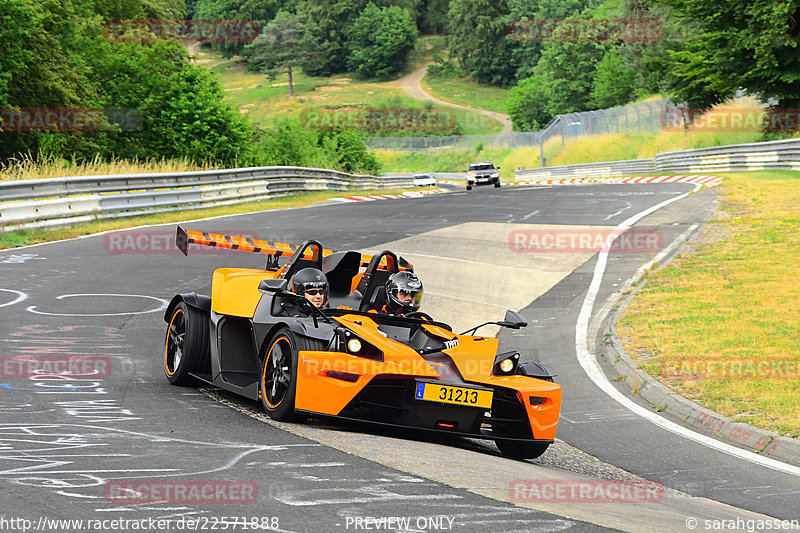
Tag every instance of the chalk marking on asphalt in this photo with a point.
(20, 296)
(163, 305)
(590, 365)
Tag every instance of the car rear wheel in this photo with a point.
(278, 383)
(469, 187)
(521, 450)
(186, 344)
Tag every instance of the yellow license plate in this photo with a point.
(434, 392)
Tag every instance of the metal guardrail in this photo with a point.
(778, 155)
(65, 201)
(610, 168)
(437, 175)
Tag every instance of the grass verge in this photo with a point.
(24, 237)
(720, 324)
(574, 150)
(466, 92)
(266, 101)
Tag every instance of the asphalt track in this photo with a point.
(63, 441)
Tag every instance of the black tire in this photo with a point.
(469, 187)
(521, 450)
(278, 384)
(186, 344)
(497, 185)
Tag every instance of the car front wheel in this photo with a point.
(278, 383)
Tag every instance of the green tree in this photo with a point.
(328, 23)
(18, 20)
(613, 82)
(528, 104)
(140, 9)
(182, 107)
(433, 16)
(380, 41)
(234, 10)
(281, 47)
(478, 39)
(649, 59)
(349, 153)
(263, 10)
(41, 59)
(54, 54)
(740, 43)
(525, 17)
(568, 70)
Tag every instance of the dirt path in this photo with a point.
(410, 83)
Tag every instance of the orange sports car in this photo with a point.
(348, 360)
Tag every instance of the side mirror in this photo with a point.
(498, 168)
(273, 285)
(514, 320)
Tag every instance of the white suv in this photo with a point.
(483, 173)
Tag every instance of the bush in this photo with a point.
(527, 104)
(613, 82)
(290, 144)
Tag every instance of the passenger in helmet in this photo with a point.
(311, 283)
(403, 293)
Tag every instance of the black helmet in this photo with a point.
(408, 283)
(309, 278)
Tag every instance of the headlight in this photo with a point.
(354, 345)
(347, 341)
(505, 364)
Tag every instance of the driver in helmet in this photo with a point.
(403, 293)
(313, 285)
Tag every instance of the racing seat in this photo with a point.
(340, 268)
(372, 284)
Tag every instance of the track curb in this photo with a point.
(609, 346)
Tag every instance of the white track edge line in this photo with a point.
(592, 368)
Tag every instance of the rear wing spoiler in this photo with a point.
(186, 237)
